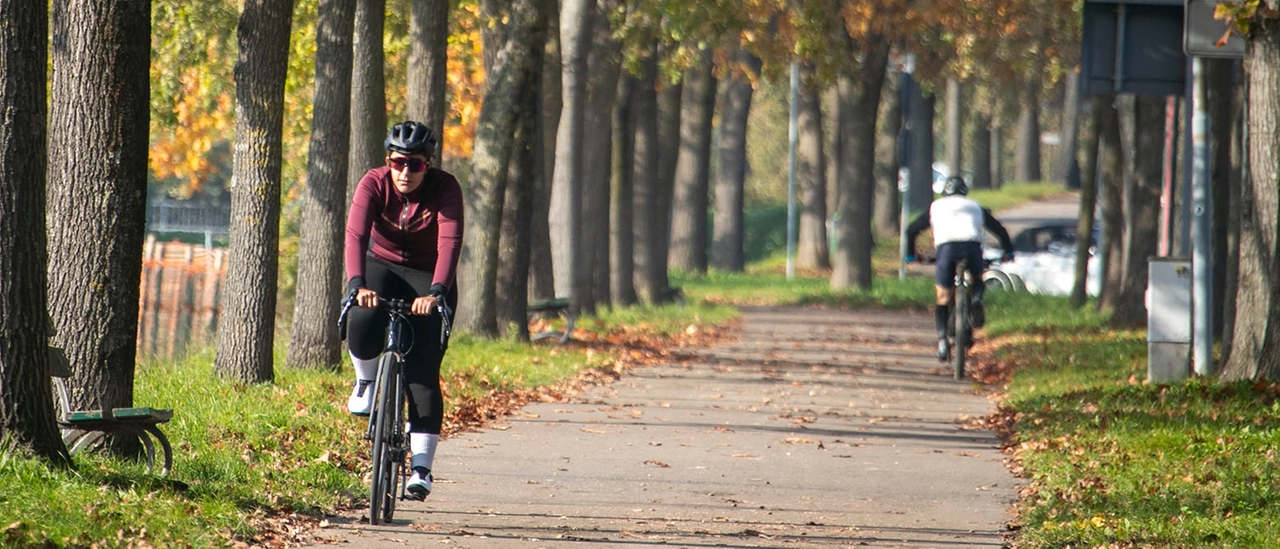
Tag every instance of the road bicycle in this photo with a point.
(387, 430)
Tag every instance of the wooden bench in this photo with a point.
(82, 428)
(556, 306)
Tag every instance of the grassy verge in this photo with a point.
(1113, 461)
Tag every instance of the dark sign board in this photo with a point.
(1203, 33)
(1133, 47)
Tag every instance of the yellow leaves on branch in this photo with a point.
(183, 154)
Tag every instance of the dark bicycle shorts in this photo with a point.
(950, 254)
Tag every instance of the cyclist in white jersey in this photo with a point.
(957, 222)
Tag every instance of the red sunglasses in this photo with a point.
(415, 165)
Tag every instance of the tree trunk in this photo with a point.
(1027, 151)
(485, 195)
(541, 273)
(1088, 201)
(668, 153)
(428, 53)
(1069, 167)
(602, 91)
(693, 169)
(997, 152)
(314, 340)
(1111, 195)
(368, 93)
(515, 238)
(245, 340)
(981, 151)
(955, 126)
(1254, 352)
(645, 168)
(1142, 231)
(888, 203)
(832, 148)
(1229, 226)
(622, 266)
(859, 92)
(98, 119)
(920, 189)
(26, 409)
(811, 170)
(728, 233)
(567, 241)
(1221, 107)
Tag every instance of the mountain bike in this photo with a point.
(959, 325)
(387, 431)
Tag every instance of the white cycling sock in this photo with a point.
(366, 369)
(423, 447)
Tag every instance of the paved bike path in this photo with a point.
(815, 428)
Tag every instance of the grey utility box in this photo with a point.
(1169, 320)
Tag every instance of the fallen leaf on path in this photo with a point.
(656, 463)
(592, 431)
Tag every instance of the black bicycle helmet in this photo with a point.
(955, 185)
(410, 137)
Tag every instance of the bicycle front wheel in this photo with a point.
(397, 443)
(962, 333)
(383, 415)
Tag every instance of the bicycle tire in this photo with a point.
(394, 466)
(380, 449)
(962, 328)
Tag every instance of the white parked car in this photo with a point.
(1045, 261)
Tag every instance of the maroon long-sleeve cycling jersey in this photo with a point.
(421, 230)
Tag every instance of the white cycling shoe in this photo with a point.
(361, 400)
(419, 487)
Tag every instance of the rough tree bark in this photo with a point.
(314, 337)
(485, 195)
(565, 219)
(693, 169)
(644, 109)
(526, 165)
(1110, 196)
(602, 91)
(99, 114)
(1027, 150)
(888, 204)
(859, 92)
(368, 93)
(1254, 352)
(812, 251)
(728, 233)
(245, 339)
(622, 265)
(428, 53)
(955, 126)
(26, 409)
(1142, 229)
(1088, 201)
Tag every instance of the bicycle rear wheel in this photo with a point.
(379, 487)
(962, 333)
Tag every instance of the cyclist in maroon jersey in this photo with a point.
(403, 239)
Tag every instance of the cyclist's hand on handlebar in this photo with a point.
(1007, 257)
(366, 297)
(424, 305)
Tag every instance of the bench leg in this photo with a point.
(568, 329)
(164, 445)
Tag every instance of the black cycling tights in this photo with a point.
(366, 337)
